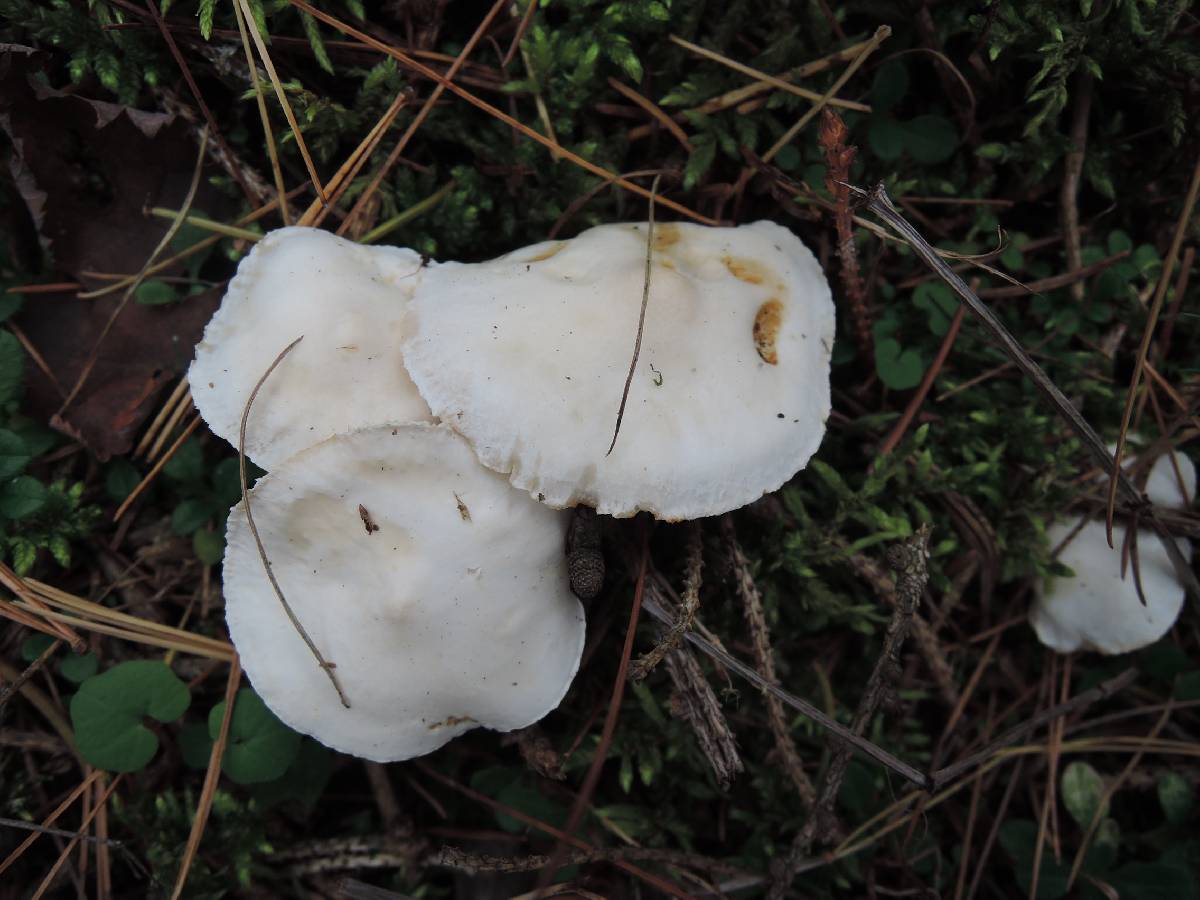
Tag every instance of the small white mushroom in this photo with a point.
(438, 592)
(1100, 610)
(527, 356)
(347, 301)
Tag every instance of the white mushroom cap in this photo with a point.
(347, 301)
(1098, 609)
(527, 356)
(443, 601)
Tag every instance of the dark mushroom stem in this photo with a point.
(585, 557)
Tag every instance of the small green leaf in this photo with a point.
(24, 555)
(207, 7)
(12, 367)
(60, 549)
(22, 497)
(1176, 797)
(10, 305)
(120, 478)
(1152, 881)
(209, 546)
(191, 515)
(704, 151)
(260, 746)
(1082, 792)
(34, 646)
(187, 464)
(1119, 241)
(890, 85)
(930, 139)
(886, 138)
(195, 745)
(621, 52)
(154, 292)
(313, 32)
(79, 667)
(107, 713)
(303, 781)
(992, 151)
(899, 369)
(938, 301)
(14, 454)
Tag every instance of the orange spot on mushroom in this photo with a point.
(746, 270)
(766, 330)
(546, 254)
(665, 235)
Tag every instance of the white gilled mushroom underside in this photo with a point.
(527, 356)
(1099, 608)
(437, 591)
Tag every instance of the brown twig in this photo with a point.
(695, 702)
(879, 203)
(211, 777)
(764, 659)
(839, 156)
(426, 108)
(238, 176)
(1101, 691)
(1073, 278)
(918, 398)
(655, 112)
(1116, 478)
(493, 111)
(687, 614)
(32, 669)
(610, 722)
(908, 560)
(1072, 172)
(637, 344)
(326, 667)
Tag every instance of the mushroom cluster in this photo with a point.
(1100, 608)
(421, 390)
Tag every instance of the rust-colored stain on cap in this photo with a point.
(767, 321)
(665, 235)
(746, 270)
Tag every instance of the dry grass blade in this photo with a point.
(87, 820)
(878, 202)
(771, 80)
(908, 560)
(252, 27)
(417, 209)
(741, 95)
(579, 807)
(197, 247)
(268, 132)
(49, 820)
(522, 27)
(650, 107)
(649, 878)
(882, 33)
(1109, 792)
(155, 470)
(30, 670)
(865, 747)
(164, 413)
(211, 777)
(348, 171)
(326, 667)
(764, 659)
(94, 354)
(493, 111)
(1116, 477)
(33, 603)
(419, 119)
(212, 128)
(637, 344)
